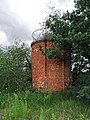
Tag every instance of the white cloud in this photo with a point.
(3, 38)
(69, 5)
(31, 12)
(12, 24)
(64, 5)
(19, 18)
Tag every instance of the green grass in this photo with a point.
(36, 105)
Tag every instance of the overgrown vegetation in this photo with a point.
(15, 67)
(35, 105)
(19, 101)
(71, 35)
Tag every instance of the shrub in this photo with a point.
(81, 85)
(15, 67)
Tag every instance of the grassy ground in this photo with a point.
(36, 105)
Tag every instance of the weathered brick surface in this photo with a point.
(48, 73)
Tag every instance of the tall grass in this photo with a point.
(15, 108)
(36, 105)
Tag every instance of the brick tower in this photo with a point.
(51, 74)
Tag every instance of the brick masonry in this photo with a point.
(47, 73)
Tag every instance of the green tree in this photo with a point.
(71, 34)
(71, 29)
(15, 67)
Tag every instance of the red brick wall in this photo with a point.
(48, 73)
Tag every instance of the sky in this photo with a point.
(19, 18)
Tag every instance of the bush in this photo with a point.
(81, 85)
(15, 67)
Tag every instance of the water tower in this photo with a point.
(51, 74)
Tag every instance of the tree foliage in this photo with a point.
(72, 30)
(15, 67)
